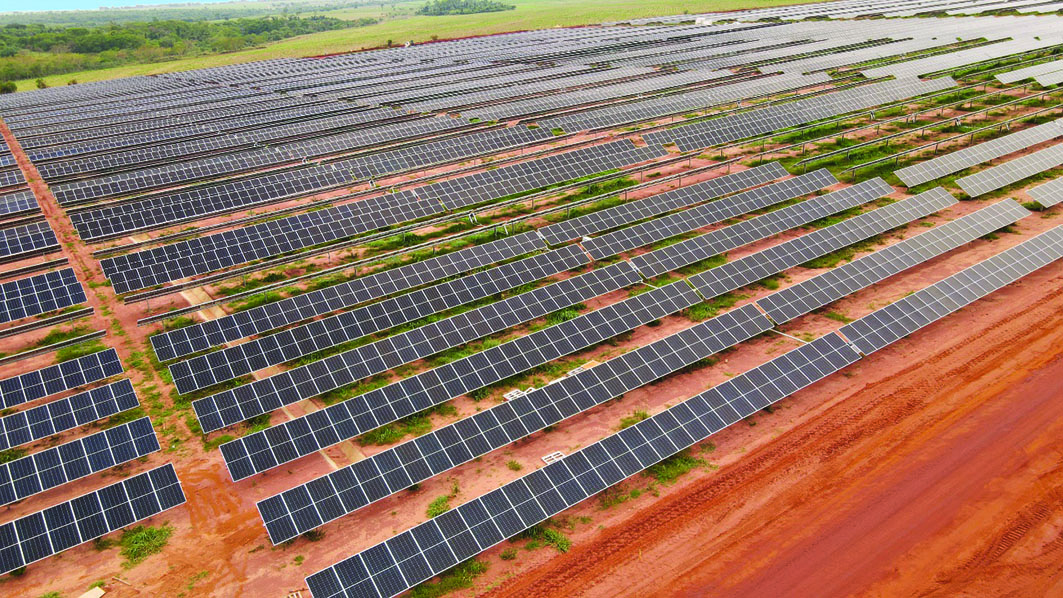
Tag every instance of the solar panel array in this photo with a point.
(142, 269)
(786, 255)
(1012, 171)
(308, 506)
(39, 535)
(633, 211)
(961, 159)
(27, 240)
(282, 443)
(18, 202)
(1048, 194)
(11, 177)
(1017, 75)
(293, 343)
(58, 378)
(801, 298)
(613, 115)
(261, 396)
(39, 294)
(200, 337)
(525, 176)
(903, 317)
(701, 216)
(432, 547)
(66, 413)
(777, 117)
(76, 459)
(718, 241)
(206, 254)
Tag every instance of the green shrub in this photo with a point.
(142, 541)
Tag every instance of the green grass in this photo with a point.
(529, 14)
(79, 350)
(634, 418)
(459, 577)
(669, 470)
(142, 541)
(438, 506)
(418, 424)
(542, 534)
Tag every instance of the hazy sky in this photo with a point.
(14, 5)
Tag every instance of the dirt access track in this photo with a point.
(932, 468)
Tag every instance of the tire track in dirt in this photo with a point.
(903, 394)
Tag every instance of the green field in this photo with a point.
(401, 26)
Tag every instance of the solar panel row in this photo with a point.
(1013, 171)
(142, 269)
(18, 202)
(57, 378)
(66, 413)
(655, 205)
(777, 117)
(39, 535)
(436, 545)
(39, 294)
(235, 405)
(308, 506)
(904, 316)
(76, 459)
(701, 216)
(801, 298)
(960, 159)
(786, 255)
(432, 547)
(27, 240)
(203, 336)
(1048, 194)
(720, 240)
(282, 443)
(293, 343)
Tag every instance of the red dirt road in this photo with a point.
(934, 468)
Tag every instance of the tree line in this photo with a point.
(437, 8)
(34, 50)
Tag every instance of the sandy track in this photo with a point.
(935, 470)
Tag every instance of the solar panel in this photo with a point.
(1048, 194)
(39, 294)
(306, 507)
(489, 185)
(20, 242)
(656, 107)
(263, 395)
(757, 266)
(799, 299)
(777, 117)
(57, 378)
(1031, 71)
(76, 459)
(901, 318)
(958, 160)
(66, 413)
(261, 451)
(39, 535)
(293, 343)
(720, 240)
(10, 177)
(17, 202)
(1012, 171)
(430, 548)
(701, 216)
(655, 205)
(203, 336)
(142, 269)
(1048, 79)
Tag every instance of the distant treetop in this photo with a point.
(437, 8)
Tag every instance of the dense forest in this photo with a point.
(437, 8)
(32, 51)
